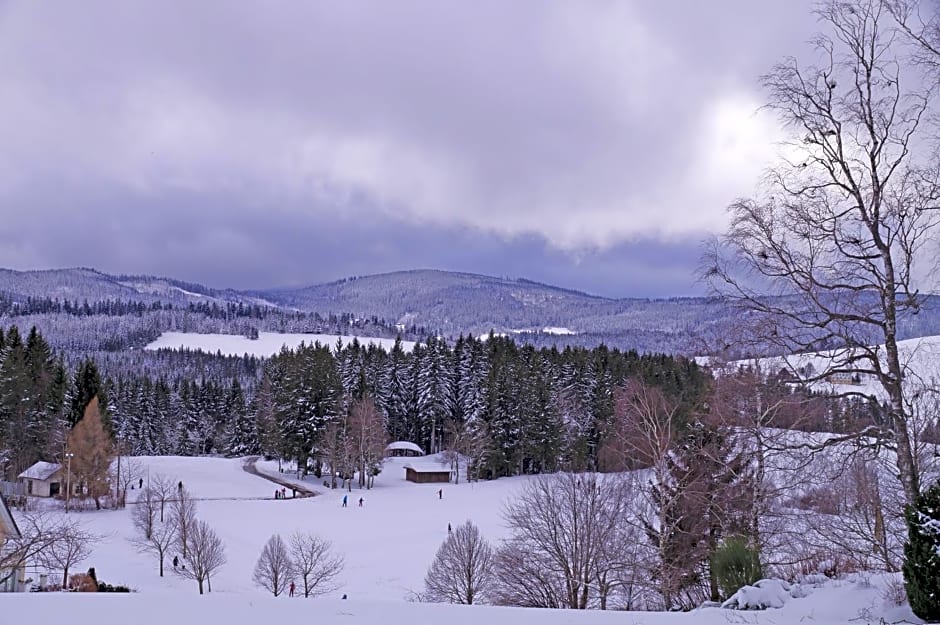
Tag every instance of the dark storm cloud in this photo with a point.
(589, 144)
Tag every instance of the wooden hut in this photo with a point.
(427, 473)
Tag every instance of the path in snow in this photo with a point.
(302, 491)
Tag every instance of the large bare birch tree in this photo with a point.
(832, 252)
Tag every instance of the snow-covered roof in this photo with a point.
(41, 470)
(404, 445)
(427, 467)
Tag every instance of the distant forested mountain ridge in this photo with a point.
(128, 310)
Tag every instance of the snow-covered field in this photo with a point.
(920, 356)
(854, 602)
(388, 544)
(267, 344)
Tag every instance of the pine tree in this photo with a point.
(242, 439)
(86, 385)
(15, 396)
(922, 555)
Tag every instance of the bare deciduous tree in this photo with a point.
(163, 489)
(315, 564)
(526, 578)
(856, 520)
(70, 545)
(37, 533)
(572, 522)
(274, 568)
(145, 513)
(153, 536)
(337, 449)
(183, 517)
(462, 571)
(127, 471)
(205, 554)
(367, 432)
(467, 443)
(829, 255)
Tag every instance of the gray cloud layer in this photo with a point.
(590, 144)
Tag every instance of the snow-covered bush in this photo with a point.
(767, 593)
(922, 555)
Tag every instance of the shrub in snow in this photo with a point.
(922, 555)
(734, 565)
(767, 593)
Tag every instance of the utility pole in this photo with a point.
(68, 480)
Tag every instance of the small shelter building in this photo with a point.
(403, 449)
(427, 473)
(43, 479)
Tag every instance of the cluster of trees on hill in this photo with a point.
(39, 400)
(111, 325)
(514, 408)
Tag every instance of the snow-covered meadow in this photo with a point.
(267, 344)
(920, 357)
(388, 544)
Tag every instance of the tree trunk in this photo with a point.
(117, 485)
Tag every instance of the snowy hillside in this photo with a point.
(388, 544)
(921, 357)
(267, 344)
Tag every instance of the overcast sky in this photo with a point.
(588, 144)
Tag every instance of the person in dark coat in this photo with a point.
(345, 498)
(176, 561)
(449, 529)
(140, 483)
(440, 493)
(291, 590)
(360, 501)
(180, 485)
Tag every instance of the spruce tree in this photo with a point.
(922, 555)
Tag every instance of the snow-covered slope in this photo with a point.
(855, 602)
(388, 544)
(920, 357)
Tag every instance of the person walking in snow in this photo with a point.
(449, 529)
(140, 483)
(291, 590)
(345, 498)
(360, 501)
(440, 494)
(283, 493)
(176, 561)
